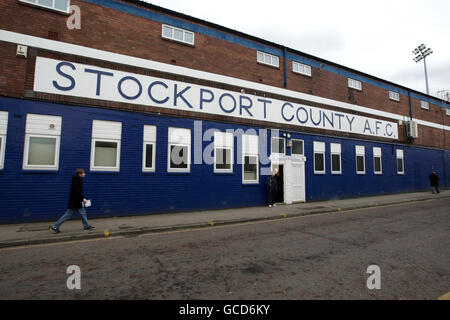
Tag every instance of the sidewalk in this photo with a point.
(38, 233)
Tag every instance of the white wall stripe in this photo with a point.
(72, 49)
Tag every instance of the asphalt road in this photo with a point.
(312, 257)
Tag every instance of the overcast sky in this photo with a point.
(374, 37)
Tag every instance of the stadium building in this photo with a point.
(167, 113)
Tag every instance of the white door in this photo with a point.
(298, 181)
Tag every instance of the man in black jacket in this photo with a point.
(434, 182)
(76, 201)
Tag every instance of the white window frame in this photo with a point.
(395, 96)
(284, 144)
(261, 57)
(149, 139)
(335, 149)
(172, 37)
(180, 137)
(2, 151)
(3, 133)
(52, 7)
(303, 147)
(360, 151)
(354, 84)
(377, 153)
(250, 147)
(112, 134)
(447, 111)
(224, 140)
(400, 155)
(301, 68)
(319, 148)
(424, 105)
(42, 126)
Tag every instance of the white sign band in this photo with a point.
(80, 80)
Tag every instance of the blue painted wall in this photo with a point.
(27, 196)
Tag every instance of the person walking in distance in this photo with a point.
(272, 188)
(75, 204)
(434, 182)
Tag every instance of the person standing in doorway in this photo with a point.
(434, 182)
(75, 204)
(272, 188)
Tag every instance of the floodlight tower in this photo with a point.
(421, 52)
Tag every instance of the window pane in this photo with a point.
(223, 159)
(267, 59)
(360, 163)
(167, 32)
(189, 37)
(336, 162)
(41, 151)
(319, 162)
(62, 5)
(250, 167)
(400, 165)
(105, 154)
(278, 145)
(178, 157)
(275, 61)
(297, 147)
(377, 164)
(260, 57)
(47, 3)
(178, 34)
(149, 156)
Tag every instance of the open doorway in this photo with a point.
(280, 182)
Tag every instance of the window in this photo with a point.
(250, 160)
(400, 162)
(301, 68)
(149, 150)
(377, 166)
(360, 160)
(355, 84)
(335, 158)
(394, 96)
(319, 157)
(268, 59)
(42, 140)
(3, 129)
(177, 34)
(179, 150)
(58, 5)
(424, 105)
(297, 147)
(278, 145)
(105, 147)
(223, 152)
(447, 111)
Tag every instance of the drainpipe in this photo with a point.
(410, 105)
(285, 66)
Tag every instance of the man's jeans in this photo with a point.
(68, 214)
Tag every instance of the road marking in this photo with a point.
(445, 296)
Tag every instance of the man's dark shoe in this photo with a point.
(89, 228)
(55, 230)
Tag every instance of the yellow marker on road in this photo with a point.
(106, 233)
(445, 296)
(339, 209)
(284, 215)
(211, 224)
